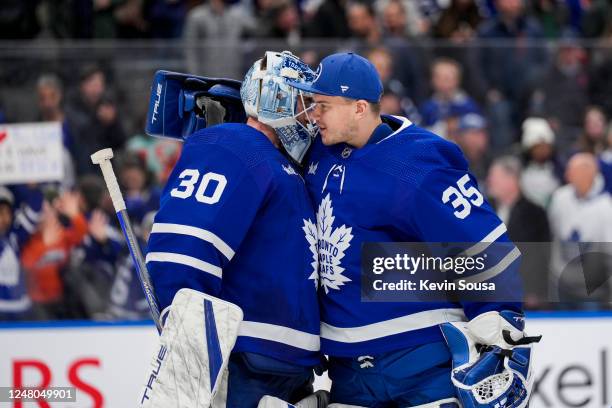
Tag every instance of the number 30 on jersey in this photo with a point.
(462, 198)
(189, 178)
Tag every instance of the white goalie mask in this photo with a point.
(268, 96)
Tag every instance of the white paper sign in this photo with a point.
(31, 152)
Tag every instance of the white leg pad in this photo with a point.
(190, 369)
(317, 400)
(273, 402)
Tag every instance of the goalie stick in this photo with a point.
(103, 159)
(205, 325)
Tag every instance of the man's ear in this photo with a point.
(361, 108)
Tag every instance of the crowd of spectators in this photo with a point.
(371, 20)
(62, 255)
(522, 86)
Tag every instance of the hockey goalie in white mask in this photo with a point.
(232, 253)
(268, 95)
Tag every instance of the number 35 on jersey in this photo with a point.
(462, 197)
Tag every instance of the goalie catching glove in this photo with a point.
(491, 360)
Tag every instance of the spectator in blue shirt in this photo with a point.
(448, 98)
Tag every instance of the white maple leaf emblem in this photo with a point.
(312, 168)
(310, 232)
(332, 245)
(289, 170)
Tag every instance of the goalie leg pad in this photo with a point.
(198, 336)
(273, 402)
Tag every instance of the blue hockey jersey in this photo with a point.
(235, 221)
(405, 185)
(14, 299)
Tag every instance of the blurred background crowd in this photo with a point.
(522, 86)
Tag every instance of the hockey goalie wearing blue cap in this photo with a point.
(235, 239)
(379, 178)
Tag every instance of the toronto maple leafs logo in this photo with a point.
(289, 170)
(310, 232)
(312, 168)
(332, 244)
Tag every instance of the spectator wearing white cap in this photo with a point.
(542, 174)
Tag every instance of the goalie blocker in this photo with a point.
(182, 104)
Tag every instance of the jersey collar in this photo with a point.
(383, 130)
(391, 126)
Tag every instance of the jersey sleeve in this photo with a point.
(206, 209)
(27, 215)
(448, 207)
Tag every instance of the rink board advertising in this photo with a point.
(107, 364)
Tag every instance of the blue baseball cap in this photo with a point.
(472, 121)
(348, 75)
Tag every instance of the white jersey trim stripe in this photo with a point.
(495, 270)
(280, 334)
(184, 260)
(405, 124)
(25, 223)
(196, 232)
(486, 241)
(483, 244)
(18, 305)
(31, 214)
(416, 321)
(496, 233)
